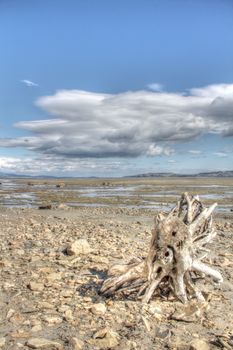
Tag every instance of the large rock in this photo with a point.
(199, 344)
(81, 246)
(42, 343)
(45, 206)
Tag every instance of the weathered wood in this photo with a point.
(176, 251)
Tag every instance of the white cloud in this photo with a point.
(29, 83)
(155, 87)
(61, 166)
(86, 124)
(8, 163)
(158, 150)
(213, 91)
(194, 151)
(221, 154)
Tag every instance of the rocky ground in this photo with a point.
(49, 285)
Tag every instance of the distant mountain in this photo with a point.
(22, 176)
(155, 175)
(228, 173)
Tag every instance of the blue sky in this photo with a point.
(116, 87)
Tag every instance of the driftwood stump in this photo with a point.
(176, 251)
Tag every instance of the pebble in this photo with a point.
(98, 309)
(2, 342)
(77, 344)
(10, 313)
(162, 332)
(45, 305)
(109, 341)
(36, 328)
(51, 320)
(36, 287)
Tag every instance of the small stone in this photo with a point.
(52, 319)
(61, 184)
(19, 334)
(53, 276)
(2, 342)
(17, 318)
(7, 285)
(46, 206)
(63, 308)
(42, 343)
(162, 332)
(20, 252)
(36, 287)
(230, 341)
(190, 312)
(77, 344)
(5, 263)
(100, 334)
(68, 315)
(98, 309)
(67, 293)
(199, 344)
(154, 309)
(36, 328)
(45, 305)
(86, 299)
(63, 206)
(81, 246)
(10, 313)
(100, 259)
(146, 323)
(109, 341)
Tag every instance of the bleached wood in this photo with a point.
(176, 250)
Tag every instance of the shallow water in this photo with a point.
(10, 185)
(15, 194)
(157, 206)
(154, 206)
(22, 200)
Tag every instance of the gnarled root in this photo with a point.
(177, 247)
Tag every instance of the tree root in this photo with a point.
(176, 249)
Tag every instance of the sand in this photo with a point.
(51, 300)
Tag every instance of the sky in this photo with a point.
(116, 87)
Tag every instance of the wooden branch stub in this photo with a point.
(176, 250)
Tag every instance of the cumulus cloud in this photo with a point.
(86, 124)
(29, 83)
(62, 165)
(213, 91)
(8, 163)
(158, 150)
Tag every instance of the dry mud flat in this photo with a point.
(50, 300)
